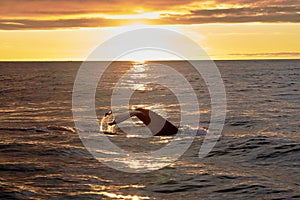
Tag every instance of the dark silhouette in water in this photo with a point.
(158, 125)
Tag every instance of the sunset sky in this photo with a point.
(226, 29)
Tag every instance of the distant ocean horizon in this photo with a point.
(256, 157)
(82, 60)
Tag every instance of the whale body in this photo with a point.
(158, 125)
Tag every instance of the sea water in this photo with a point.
(256, 157)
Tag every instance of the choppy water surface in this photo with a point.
(257, 157)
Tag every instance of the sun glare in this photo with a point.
(141, 56)
(150, 15)
(139, 60)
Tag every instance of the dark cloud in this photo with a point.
(247, 11)
(254, 3)
(231, 17)
(60, 24)
(238, 15)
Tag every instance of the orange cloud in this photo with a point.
(55, 14)
(19, 8)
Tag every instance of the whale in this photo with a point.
(158, 125)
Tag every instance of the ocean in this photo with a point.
(256, 157)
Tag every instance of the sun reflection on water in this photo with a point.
(135, 76)
(120, 196)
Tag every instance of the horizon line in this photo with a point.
(240, 59)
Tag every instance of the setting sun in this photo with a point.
(153, 15)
